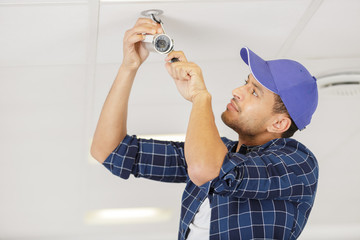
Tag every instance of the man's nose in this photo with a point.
(238, 93)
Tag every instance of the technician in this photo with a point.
(261, 186)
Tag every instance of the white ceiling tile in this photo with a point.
(321, 66)
(42, 130)
(39, 2)
(43, 34)
(333, 32)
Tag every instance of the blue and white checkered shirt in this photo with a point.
(262, 192)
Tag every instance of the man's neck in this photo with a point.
(255, 141)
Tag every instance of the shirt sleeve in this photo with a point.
(157, 160)
(286, 173)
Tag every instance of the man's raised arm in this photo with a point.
(111, 128)
(204, 149)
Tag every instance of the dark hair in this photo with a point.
(279, 107)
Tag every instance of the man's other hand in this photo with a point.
(187, 76)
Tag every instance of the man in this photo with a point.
(260, 187)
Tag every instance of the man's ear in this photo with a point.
(279, 124)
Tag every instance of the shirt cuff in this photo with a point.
(121, 161)
(230, 173)
(227, 167)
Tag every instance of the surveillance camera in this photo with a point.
(161, 43)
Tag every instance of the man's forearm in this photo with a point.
(204, 149)
(111, 128)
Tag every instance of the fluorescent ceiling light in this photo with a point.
(165, 137)
(121, 1)
(127, 216)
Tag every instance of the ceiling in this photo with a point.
(57, 63)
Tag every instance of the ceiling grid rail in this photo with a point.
(92, 48)
(298, 29)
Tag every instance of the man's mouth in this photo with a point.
(232, 106)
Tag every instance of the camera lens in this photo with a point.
(163, 44)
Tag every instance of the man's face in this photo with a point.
(250, 110)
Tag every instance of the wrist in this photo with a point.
(128, 69)
(201, 96)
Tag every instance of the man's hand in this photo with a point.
(134, 52)
(187, 76)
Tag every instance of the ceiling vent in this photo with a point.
(345, 84)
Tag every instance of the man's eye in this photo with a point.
(254, 93)
(246, 81)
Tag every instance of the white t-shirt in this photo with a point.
(200, 227)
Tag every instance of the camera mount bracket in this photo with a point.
(153, 13)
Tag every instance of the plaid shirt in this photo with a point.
(262, 192)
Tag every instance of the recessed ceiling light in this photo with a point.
(127, 216)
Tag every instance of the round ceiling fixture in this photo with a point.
(155, 12)
(344, 84)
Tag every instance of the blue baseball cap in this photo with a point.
(289, 79)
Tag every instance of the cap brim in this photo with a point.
(259, 69)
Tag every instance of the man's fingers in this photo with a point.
(137, 33)
(172, 70)
(148, 22)
(143, 29)
(141, 21)
(169, 69)
(179, 70)
(176, 54)
(135, 38)
(183, 73)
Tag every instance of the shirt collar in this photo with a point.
(244, 149)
